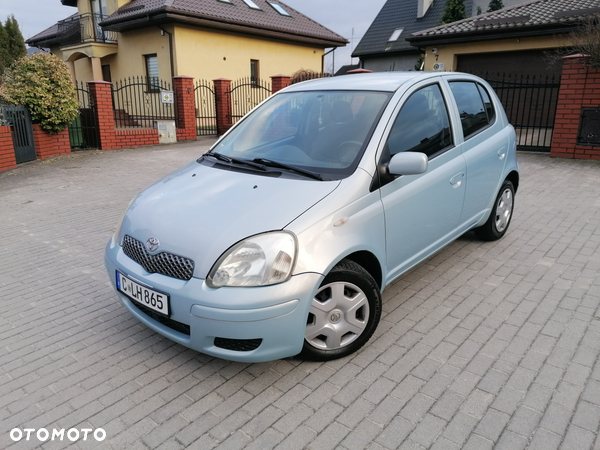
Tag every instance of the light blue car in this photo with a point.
(281, 239)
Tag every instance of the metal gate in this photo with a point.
(138, 102)
(530, 103)
(206, 111)
(83, 131)
(245, 95)
(22, 132)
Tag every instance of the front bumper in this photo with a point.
(240, 324)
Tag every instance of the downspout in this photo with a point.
(163, 31)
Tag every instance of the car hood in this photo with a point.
(200, 211)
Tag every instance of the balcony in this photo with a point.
(84, 29)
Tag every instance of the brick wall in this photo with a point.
(579, 88)
(7, 152)
(109, 137)
(48, 145)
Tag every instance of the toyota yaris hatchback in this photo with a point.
(281, 238)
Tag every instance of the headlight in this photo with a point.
(259, 260)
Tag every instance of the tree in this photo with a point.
(12, 44)
(3, 49)
(585, 40)
(495, 5)
(454, 10)
(42, 83)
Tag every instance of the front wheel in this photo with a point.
(499, 219)
(344, 313)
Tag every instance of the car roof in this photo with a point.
(380, 81)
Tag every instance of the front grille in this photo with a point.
(164, 263)
(172, 324)
(238, 345)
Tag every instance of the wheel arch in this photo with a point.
(513, 177)
(370, 263)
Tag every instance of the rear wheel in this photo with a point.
(344, 313)
(499, 219)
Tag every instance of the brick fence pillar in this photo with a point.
(7, 150)
(185, 106)
(109, 137)
(102, 99)
(223, 105)
(278, 82)
(579, 88)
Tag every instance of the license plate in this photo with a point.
(155, 300)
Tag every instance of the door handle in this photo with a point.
(502, 153)
(457, 179)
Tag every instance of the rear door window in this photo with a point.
(474, 106)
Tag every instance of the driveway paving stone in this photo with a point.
(484, 345)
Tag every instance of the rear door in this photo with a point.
(485, 146)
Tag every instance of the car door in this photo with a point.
(422, 212)
(485, 146)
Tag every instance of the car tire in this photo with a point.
(344, 313)
(501, 214)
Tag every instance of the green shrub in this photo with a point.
(42, 83)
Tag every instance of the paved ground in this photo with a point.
(485, 345)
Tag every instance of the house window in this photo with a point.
(99, 7)
(396, 34)
(152, 73)
(98, 13)
(251, 4)
(277, 7)
(254, 72)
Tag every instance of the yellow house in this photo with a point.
(521, 39)
(205, 39)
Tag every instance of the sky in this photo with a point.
(349, 18)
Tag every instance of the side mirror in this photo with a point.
(408, 163)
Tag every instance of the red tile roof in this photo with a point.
(235, 16)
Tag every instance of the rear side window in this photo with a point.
(422, 125)
(474, 106)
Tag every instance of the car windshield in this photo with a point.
(323, 132)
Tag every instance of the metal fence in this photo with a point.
(305, 76)
(246, 93)
(83, 131)
(206, 110)
(83, 28)
(530, 103)
(138, 102)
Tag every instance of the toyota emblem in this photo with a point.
(152, 244)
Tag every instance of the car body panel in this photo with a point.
(176, 207)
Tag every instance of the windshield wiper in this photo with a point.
(230, 160)
(271, 163)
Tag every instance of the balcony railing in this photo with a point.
(84, 28)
